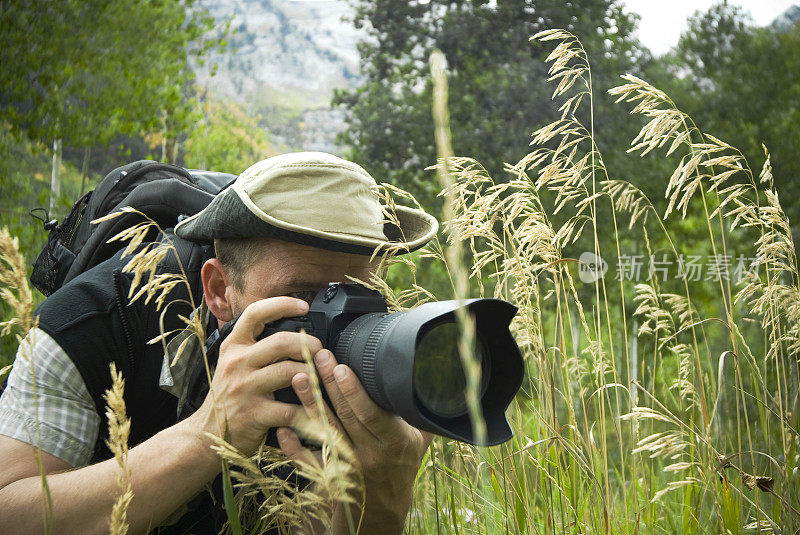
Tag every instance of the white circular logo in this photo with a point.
(592, 267)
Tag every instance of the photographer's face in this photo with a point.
(298, 271)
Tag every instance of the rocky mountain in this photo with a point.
(285, 59)
(787, 19)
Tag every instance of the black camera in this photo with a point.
(408, 361)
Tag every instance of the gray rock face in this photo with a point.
(284, 61)
(787, 19)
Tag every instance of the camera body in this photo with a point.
(409, 362)
(331, 311)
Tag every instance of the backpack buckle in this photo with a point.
(47, 223)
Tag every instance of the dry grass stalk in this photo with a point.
(144, 263)
(773, 292)
(264, 501)
(119, 427)
(669, 125)
(628, 198)
(267, 501)
(334, 473)
(454, 253)
(387, 258)
(15, 292)
(776, 297)
(672, 485)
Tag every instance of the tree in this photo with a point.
(226, 139)
(498, 94)
(742, 84)
(79, 72)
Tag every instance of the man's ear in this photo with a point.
(217, 288)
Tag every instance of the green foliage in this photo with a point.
(741, 82)
(227, 138)
(85, 71)
(24, 185)
(496, 92)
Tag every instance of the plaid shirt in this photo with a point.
(46, 402)
(44, 386)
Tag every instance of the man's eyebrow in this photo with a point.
(294, 284)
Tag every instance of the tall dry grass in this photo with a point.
(119, 428)
(640, 413)
(16, 293)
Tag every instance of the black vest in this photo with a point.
(92, 321)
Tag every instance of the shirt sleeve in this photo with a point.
(46, 402)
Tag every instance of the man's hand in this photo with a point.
(387, 448)
(249, 372)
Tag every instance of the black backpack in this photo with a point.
(162, 192)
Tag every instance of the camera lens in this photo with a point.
(439, 379)
(409, 362)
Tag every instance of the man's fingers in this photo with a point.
(291, 446)
(269, 413)
(270, 378)
(355, 429)
(383, 424)
(302, 387)
(251, 322)
(282, 345)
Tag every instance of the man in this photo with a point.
(287, 227)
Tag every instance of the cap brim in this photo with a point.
(227, 217)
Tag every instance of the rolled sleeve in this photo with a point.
(46, 402)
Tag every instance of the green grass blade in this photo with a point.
(230, 505)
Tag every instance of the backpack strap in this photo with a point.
(113, 187)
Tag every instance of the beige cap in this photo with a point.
(312, 198)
